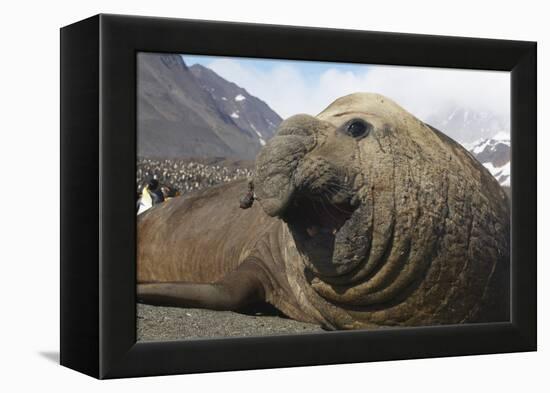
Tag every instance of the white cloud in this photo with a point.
(282, 87)
(421, 91)
(424, 91)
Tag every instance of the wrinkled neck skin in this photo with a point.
(387, 229)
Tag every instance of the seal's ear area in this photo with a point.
(356, 128)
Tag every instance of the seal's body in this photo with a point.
(365, 217)
(218, 242)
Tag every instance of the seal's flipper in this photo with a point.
(235, 291)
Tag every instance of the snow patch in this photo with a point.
(235, 115)
(224, 98)
(240, 97)
(502, 136)
(502, 174)
(255, 130)
(504, 181)
(481, 146)
(499, 137)
(262, 140)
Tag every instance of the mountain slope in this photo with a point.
(482, 133)
(248, 112)
(179, 117)
(494, 154)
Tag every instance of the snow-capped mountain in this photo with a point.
(484, 133)
(494, 154)
(467, 125)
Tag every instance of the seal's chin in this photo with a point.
(315, 222)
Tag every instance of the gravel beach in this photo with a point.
(156, 323)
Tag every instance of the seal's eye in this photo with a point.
(358, 128)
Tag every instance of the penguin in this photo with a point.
(155, 191)
(150, 195)
(145, 202)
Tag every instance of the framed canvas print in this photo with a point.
(238, 196)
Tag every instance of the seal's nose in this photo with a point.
(275, 167)
(278, 159)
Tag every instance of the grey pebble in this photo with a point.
(155, 323)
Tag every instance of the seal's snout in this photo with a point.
(278, 160)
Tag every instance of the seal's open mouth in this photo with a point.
(315, 222)
(316, 217)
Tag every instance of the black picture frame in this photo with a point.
(98, 221)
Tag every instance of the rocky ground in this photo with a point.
(156, 323)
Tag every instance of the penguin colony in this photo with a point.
(180, 177)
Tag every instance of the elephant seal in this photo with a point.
(365, 217)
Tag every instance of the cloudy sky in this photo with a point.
(291, 87)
